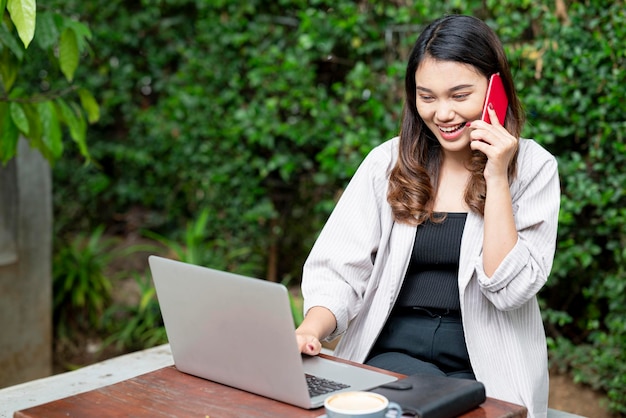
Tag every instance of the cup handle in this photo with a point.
(394, 407)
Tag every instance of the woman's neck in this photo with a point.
(453, 179)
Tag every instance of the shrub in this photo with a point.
(576, 105)
(81, 288)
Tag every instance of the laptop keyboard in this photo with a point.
(319, 386)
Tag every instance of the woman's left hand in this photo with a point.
(495, 142)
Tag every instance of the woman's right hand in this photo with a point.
(318, 323)
(308, 344)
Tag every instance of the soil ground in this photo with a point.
(565, 395)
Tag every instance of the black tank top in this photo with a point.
(431, 280)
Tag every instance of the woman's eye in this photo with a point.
(461, 96)
(426, 98)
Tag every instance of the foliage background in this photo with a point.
(257, 113)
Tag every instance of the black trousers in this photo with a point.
(422, 341)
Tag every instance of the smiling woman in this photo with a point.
(432, 259)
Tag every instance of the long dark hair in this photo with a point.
(414, 179)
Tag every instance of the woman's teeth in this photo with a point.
(450, 129)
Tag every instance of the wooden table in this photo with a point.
(167, 392)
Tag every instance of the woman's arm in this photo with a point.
(535, 196)
(500, 233)
(336, 274)
(318, 323)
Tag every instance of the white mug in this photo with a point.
(359, 404)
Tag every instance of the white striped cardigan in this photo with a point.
(359, 260)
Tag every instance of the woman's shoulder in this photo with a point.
(535, 161)
(378, 163)
(388, 146)
(385, 152)
(532, 147)
(531, 152)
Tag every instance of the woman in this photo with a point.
(433, 256)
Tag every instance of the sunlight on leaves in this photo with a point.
(23, 14)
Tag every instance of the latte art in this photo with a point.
(356, 401)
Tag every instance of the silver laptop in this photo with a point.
(239, 331)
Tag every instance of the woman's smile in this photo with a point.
(452, 132)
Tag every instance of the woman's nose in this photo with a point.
(445, 111)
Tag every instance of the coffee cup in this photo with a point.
(359, 404)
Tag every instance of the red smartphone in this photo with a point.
(497, 96)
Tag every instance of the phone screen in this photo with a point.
(497, 96)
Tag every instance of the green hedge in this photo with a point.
(261, 111)
(577, 107)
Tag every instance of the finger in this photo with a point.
(493, 116)
(309, 345)
(479, 145)
(312, 348)
(481, 134)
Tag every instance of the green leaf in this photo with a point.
(82, 32)
(8, 69)
(6, 38)
(82, 126)
(19, 117)
(23, 14)
(47, 33)
(73, 118)
(67, 116)
(9, 135)
(68, 53)
(51, 130)
(34, 122)
(90, 105)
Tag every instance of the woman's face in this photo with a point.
(448, 95)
